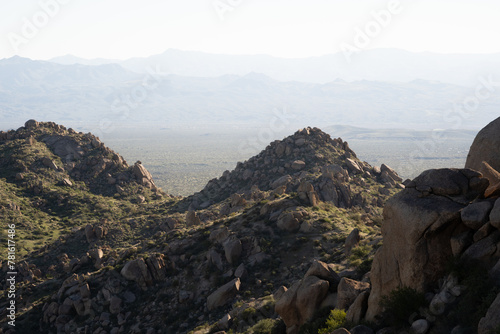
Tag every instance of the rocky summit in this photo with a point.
(310, 162)
(302, 238)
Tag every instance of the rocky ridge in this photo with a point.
(221, 263)
(309, 162)
(270, 247)
(72, 156)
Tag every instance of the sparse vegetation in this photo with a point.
(152, 228)
(401, 303)
(336, 319)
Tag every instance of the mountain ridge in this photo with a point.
(325, 68)
(109, 93)
(282, 244)
(85, 245)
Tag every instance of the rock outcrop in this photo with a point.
(485, 147)
(224, 294)
(441, 215)
(310, 163)
(75, 157)
(420, 226)
(317, 289)
(114, 255)
(491, 321)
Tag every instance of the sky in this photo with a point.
(121, 29)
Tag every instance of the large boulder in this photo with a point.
(31, 124)
(353, 166)
(290, 220)
(324, 271)
(286, 308)
(348, 291)
(143, 176)
(486, 147)
(491, 321)
(352, 241)
(282, 181)
(310, 295)
(224, 294)
(192, 218)
(232, 249)
(137, 270)
(419, 223)
(357, 310)
(495, 215)
(299, 303)
(475, 215)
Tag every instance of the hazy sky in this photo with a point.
(292, 28)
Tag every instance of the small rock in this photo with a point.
(192, 219)
(420, 326)
(298, 165)
(115, 305)
(476, 214)
(495, 215)
(241, 271)
(352, 241)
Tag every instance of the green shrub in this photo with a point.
(248, 312)
(264, 326)
(336, 319)
(401, 303)
(359, 254)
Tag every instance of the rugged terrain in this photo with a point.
(271, 246)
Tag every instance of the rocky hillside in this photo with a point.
(55, 179)
(102, 250)
(283, 243)
(309, 161)
(291, 241)
(41, 152)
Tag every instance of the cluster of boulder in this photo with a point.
(310, 163)
(320, 288)
(78, 157)
(104, 305)
(441, 215)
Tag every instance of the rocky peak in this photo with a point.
(73, 156)
(309, 162)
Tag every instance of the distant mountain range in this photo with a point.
(373, 65)
(101, 97)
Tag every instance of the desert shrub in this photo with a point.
(264, 326)
(401, 303)
(318, 321)
(248, 312)
(358, 254)
(336, 319)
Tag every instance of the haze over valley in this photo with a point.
(204, 122)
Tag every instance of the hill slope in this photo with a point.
(101, 249)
